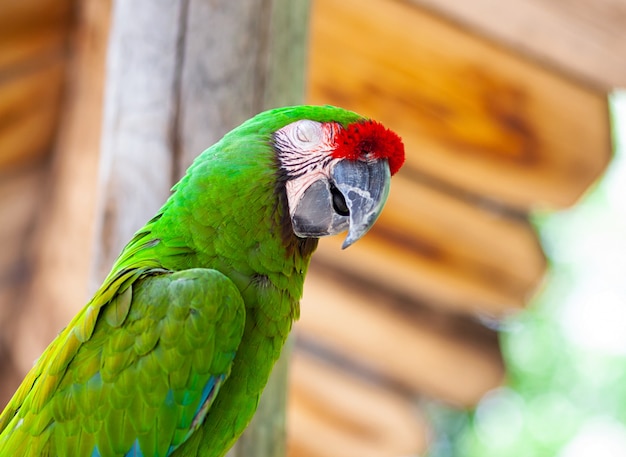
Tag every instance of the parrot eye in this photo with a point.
(307, 131)
(339, 202)
(304, 147)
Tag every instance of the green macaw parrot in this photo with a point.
(170, 356)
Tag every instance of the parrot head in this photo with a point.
(336, 174)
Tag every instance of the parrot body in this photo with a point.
(170, 356)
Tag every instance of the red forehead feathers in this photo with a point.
(370, 140)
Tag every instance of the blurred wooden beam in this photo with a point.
(334, 413)
(29, 109)
(363, 327)
(23, 16)
(472, 115)
(22, 52)
(585, 40)
(34, 37)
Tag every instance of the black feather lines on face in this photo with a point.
(293, 244)
(294, 164)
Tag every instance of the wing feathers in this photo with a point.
(138, 379)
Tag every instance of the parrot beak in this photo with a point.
(364, 187)
(351, 199)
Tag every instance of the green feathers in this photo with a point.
(145, 381)
(170, 356)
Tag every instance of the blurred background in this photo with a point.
(424, 336)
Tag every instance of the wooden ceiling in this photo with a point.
(582, 40)
(491, 133)
(502, 110)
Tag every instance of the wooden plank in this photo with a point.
(334, 413)
(364, 328)
(29, 106)
(18, 16)
(471, 114)
(449, 252)
(584, 39)
(21, 52)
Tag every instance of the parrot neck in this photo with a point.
(232, 215)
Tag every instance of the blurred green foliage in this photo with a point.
(565, 391)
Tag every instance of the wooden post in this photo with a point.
(180, 75)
